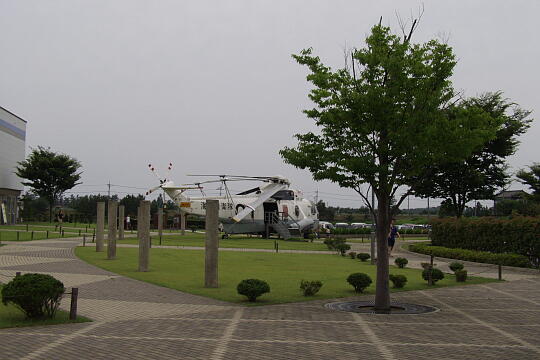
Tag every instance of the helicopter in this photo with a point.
(271, 207)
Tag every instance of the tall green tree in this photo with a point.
(484, 173)
(381, 122)
(532, 179)
(49, 174)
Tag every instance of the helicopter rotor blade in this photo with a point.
(268, 192)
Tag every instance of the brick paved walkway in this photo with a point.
(135, 320)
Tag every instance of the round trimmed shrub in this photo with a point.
(342, 248)
(461, 275)
(359, 281)
(352, 254)
(310, 288)
(401, 262)
(399, 281)
(455, 266)
(37, 295)
(253, 288)
(363, 256)
(436, 275)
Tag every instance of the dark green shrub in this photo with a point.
(519, 235)
(342, 248)
(310, 288)
(401, 262)
(352, 254)
(455, 266)
(399, 281)
(461, 275)
(471, 255)
(363, 256)
(334, 243)
(38, 295)
(253, 288)
(359, 281)
(436, 275)
(329, 243)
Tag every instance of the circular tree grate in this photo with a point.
(368, 307)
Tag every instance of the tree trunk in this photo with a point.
(382, 290)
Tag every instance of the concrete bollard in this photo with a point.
(100, 226)
(160, 223)
(111, 238)
(211, 244)
(121, 211)
(143, 232)
(73, 305)
(183, 223)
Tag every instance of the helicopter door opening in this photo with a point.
(269, 207)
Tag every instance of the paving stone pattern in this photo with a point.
(135, 320)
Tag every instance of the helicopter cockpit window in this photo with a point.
(284, 195)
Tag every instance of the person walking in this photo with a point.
(392, 234)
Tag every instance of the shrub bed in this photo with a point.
(471, 255)
(253, 288)
(520, 235)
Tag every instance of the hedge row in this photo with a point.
(347, 231)
(520, 235)
(471, 255)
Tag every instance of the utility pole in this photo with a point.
(408, 206)
(428, 209)
(109, 191)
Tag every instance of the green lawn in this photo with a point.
(243, 242)
(11, 316)
(183, 270)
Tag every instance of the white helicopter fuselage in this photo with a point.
(287, 206)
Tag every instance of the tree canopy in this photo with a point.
(49, 174)
(482, 174)
(381, 121)
(532, 179)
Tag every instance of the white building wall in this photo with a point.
(12, 149)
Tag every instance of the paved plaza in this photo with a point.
(136, 320)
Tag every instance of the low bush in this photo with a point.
(37, 295)
(253, 288)
(359, 281)
(401, 262)
(455, 266)
(461, 275)
(436, 274)
(363, 256)
(399, 281)
(471, 255)
(352, 254)
(342, 248)
(310, 288)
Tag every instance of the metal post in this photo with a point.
(32, 235)
(160, 223)
(73, 307)
(183, 223)
(79, 232)
(84, 240)
(26, 227)
(17, 235)
(47, 234)
(500, 272)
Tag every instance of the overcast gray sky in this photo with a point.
(210, 85)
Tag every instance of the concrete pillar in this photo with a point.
(100, 224)
(183, 223)
(112, 218)
(143, 232)
(160, 222)
(211, 244)
(121, 218)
